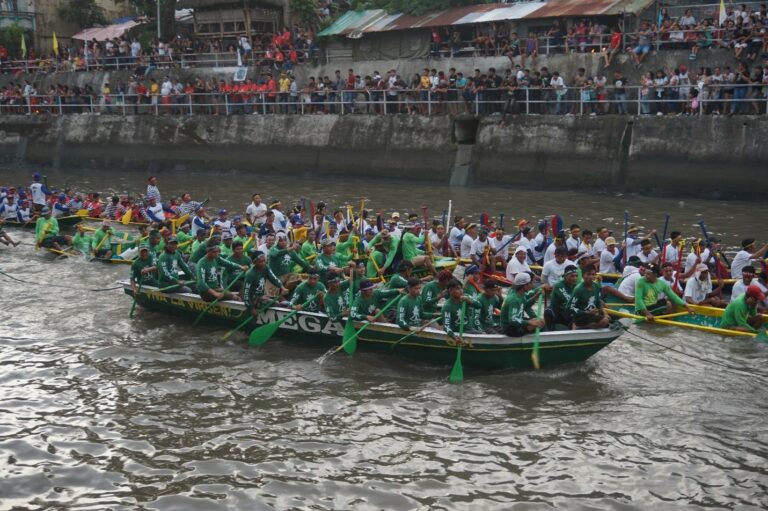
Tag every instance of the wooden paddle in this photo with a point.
(457, 373)
(262, 334)
(250, 318)
(197, 320)
(350, 343)
(420, 329)
(535, 352)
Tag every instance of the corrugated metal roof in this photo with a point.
(356, 23)
(567, 8)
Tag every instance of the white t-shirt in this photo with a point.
(633, 247)
(537, 242)
(627, 285)
(675, 286)
(697, 290)
(477, 248)
(256, 214)
(690, 261)
(549, 254)
(651, 257)
(606, 262)
(671, 254)
(740, 260)
(454, 237)
(280, 222)
(598, 247)
(225, 225)
(553, 271)
(514, 267)
(38, 197)
(739, 288)
(466, 246)
(573, 243)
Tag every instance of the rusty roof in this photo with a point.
(568, 8)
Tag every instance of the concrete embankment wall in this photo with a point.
(700, 156)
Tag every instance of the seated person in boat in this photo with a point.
(741, 314)
(101, 246)
(282, 259)
(410, 311)
(335, 300)
(370, 301)
(309, 294)
(169, 264)
(586, 303)
(47, 234)
(669, 275)
(698, 289)
(434, 291)
(517, 316)
(254, 288)
(453, 316)
(410, 241)
(490, 302)
(144, 269)
(233, 278)
(559, 312)
(653, 296)
(624, 288)
(210, 273)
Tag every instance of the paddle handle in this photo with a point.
(420, 329)
(369, 323)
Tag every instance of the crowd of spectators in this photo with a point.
(518, 90)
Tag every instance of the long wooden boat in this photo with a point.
(64, 221)
(115, 259)
(490, 352)
(116, 222)
(705, 319)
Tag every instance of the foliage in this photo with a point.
(10, 37)
(413, 6)
(306, 10)
(83, 13)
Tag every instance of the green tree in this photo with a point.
(10, 37)
(413, 6)
(83, 13)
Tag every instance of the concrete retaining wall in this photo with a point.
(697, 156)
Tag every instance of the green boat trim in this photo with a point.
(482, 351)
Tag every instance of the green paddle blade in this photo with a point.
(457, 373)
(262, 334)
(349, 340)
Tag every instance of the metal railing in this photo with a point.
(636, 100)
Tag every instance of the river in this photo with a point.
(101, 412)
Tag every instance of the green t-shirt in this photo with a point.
(148, 279)
(430, 295)
(473, 314)
(281, 260)
(561, 297)
(325, 263)
(81, 242)
(647, 294)
(210, 273)
(230, 275)
(363, 306)
(199, 249)
(410, 242)
(409, 311)
(306, 293)
(370, 268)
(46, 228)
(391, 249)
(226, 251)
(168, 266)
(452, 316)
(397, 282)
(737, 313)
(586, 299)
(344, 250)
(334, 304)
(98, 241)
(254, 284)
(515, 308)
(488, 306)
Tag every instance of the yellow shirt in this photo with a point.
(285, 84)
(154, 89)
(425, 82)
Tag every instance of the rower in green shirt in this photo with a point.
(327, 261)
(185, 238)
(389, 245)
(101, 246)
(309, 294)
(199, 247)
(210, 274)
(254, 292)
(369, 302)
(47, 231)
(654, 295)
(586, 303)
(81, 241)
(452, 310)
(282, 258)
(434, 291)
(741, 314)
(345, 247)
(489, 300)
(309, 247)
(558, 312)
(517, 305)
(410, 313)
(375, 261)
(168, 266)
(409, 242)
(239, 258)
(400, 280)
(226, 244)
(144, 269)
(472, 288)
(335, 301)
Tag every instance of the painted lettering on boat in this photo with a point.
(310, 324)
(196, 306)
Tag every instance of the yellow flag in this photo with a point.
(23, 47)
(55, 45)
